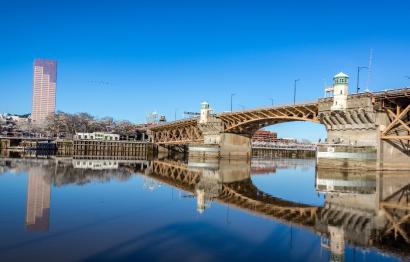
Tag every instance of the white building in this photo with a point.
(97, 136)
(205, 112)
(340, 91)
(95, 164)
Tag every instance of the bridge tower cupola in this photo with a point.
(340, 91)
(205, 111)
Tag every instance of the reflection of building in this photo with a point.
(207, 189)
(262, 167)
(95, 164)
(335, 243)
(44, 89)
(349, 212)
(38, 201)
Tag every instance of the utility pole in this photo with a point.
(232, 95)
(294, 91)
(358, 77)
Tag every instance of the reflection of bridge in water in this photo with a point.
(369, 210)
(365, 210)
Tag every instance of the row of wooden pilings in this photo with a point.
(103, 148)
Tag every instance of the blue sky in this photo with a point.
(127, 58)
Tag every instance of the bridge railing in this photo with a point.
(174, 122)
(278, 106)
(387, 92)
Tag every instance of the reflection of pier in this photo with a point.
(366, 208)
(396, 208)
(328, 181)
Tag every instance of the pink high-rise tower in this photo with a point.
(44, 89)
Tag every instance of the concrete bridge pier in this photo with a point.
(217, 143)
(234, 146)
(226, 146)
(368, 132)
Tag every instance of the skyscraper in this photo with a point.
(44, 89)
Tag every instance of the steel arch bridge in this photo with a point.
(242, 122)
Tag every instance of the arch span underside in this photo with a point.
(248, 122)
(242, 122)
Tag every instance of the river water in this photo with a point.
(65, 209)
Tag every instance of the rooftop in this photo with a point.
(341, 74)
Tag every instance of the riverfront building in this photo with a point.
(44, 89)
(97, 136)
(264, 136)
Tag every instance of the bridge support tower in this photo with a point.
(216, 143)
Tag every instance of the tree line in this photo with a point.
(63, 124)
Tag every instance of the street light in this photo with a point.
(232, 95)
(358, 77)
(294, 90)
(175, 114)
(271, 101)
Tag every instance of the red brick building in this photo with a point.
(264, 136)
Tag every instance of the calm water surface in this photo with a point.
(89, 210)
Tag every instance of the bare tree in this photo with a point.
(63, 124)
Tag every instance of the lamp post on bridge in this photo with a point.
(294, 90)
(271, 101)
(358, 77)
(232, 95)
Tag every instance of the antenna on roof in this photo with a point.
(369, 71)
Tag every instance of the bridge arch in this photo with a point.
(251, 126)
(248, 122)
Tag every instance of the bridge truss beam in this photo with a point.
(399, 126)
(180, 132)
(248, 122)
